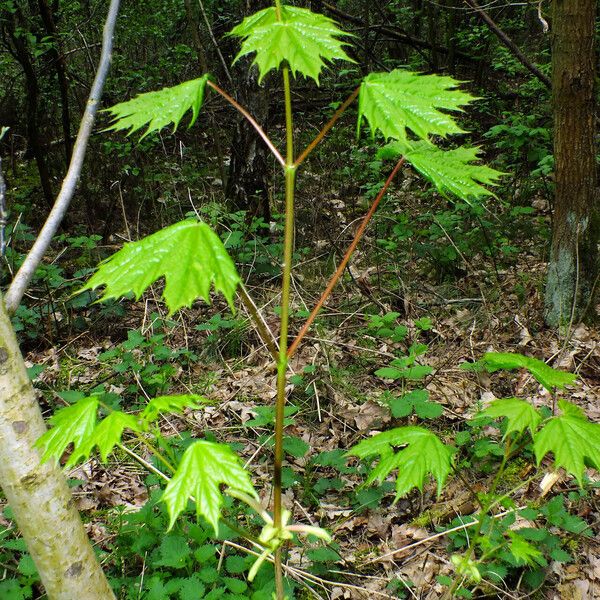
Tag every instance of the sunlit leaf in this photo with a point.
(171, 404)
(545, 375)
(70, 425)
(159, 109)
(305, 40)
(106, 435)
(520, 415)
(450, 171)
(204, 467)
(399, 100)
(189, 255)
(424, 453)
(573, 440)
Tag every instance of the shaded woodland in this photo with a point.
(440, 280)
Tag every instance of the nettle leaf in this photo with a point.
(573, 440)
(450, 171)
(424, 454)
(523, 552)
(159, 109)
(302, 38)
(545, 375)
(189, 255)
(171, 404)
(106, 435)
(71, 425)
(201, 471)
(520, 415)
(399, 100)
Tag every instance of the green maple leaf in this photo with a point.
(305, 40)
(424, 453)
(106, 435)
(520, 415)
(189, 255)
(450, 171)
(70, 425)
(399, 100)
(573, 440)
(159, 109)
(545, 375)
(171, 404)
(203, 468)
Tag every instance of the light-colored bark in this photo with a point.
(38, 493)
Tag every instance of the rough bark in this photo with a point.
(38, 493)
(573, 268)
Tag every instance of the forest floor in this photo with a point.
(384, 549)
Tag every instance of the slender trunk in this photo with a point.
(58, 60)
(248, 181)
(38, 493)
(573, 268)
(32, 92)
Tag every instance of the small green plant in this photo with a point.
(406, 110)
(490, 541)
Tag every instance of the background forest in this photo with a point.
(449, 284)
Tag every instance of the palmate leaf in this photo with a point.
(106, 435)
(171, 404)
(451, 171)
(189, 255)
(70, 425)
(424, 454)
(399, 100)
(520, 415)
(305, 40)
(573, 440)
(159, 109)
(545, 375)
(201, 471)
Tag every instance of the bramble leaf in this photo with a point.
(520, 414)
(301, 37)
(201, 471)
(424, 453)
(105, 435)
(71, 425)
(573, 440)
(417, 401)
(171, 404)
(159, 109)
(399, 100)
(450, 171)
(545, 375)
(189, 255)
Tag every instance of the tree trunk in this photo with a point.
(38, 493)
(21, 53)
(58, 59)
(248, 182)
(573, 268)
